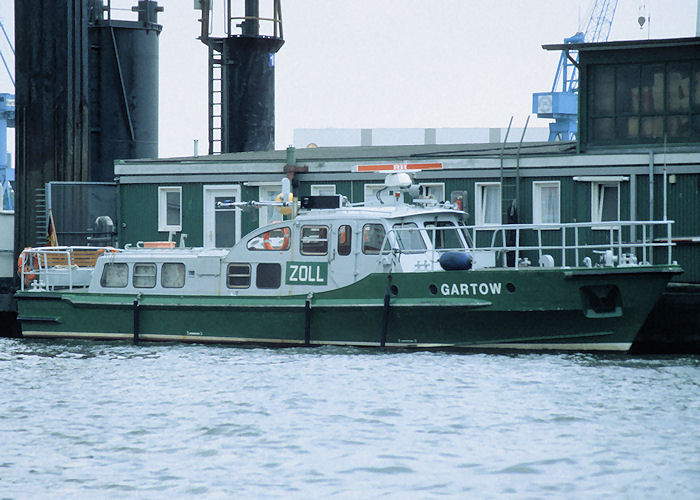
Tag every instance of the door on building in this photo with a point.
(222, 225)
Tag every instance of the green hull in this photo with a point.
(578, 309)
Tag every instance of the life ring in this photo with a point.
(285, 240)
(24, 262)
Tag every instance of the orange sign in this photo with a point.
(398, 167)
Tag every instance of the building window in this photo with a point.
(238, 276)
(643, 103)
(487, 203)
(434, 190)
(268, 275)
(546, 202)
(605, 201)
(172, 275)
(322, 189)
(344, 240)
(115, 275)
(314, 240)
(144, 275)
(377, 194)
(268, 215)
(170, 208)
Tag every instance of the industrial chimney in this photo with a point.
(242, 74)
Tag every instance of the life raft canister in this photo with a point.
(27, 264)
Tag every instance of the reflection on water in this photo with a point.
(98, 419)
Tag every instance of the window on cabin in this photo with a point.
(409, 237)
(268, 275)
(605, 203)
(444, 235)
(144, 275)
(170, 208)
(172, 275)
(238, 276)
(545, 202)
(434, 190)
(277, 239)
(314, 240)
(488, 203)
(344, 240)
(322, 189)
(372, 238)
(268, 215)
(115, 275)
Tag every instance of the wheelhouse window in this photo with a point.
(144, 275)
(115, 275)
(546, 202)
(314, 240)
(488, 203)
(409, 237)
(372, 238)
(444, 235)
(605, 202)
(278, 239)
(238, 276)
(344, 240)
(172, 275)
(170, 208)
(268, 275)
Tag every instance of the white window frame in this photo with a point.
(597, 201)
(209, 192)
(537, 201)
(479, 188)
(430, 187)
(317, 189)
(264, 190)
(163, 225)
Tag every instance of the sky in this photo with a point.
(391, 63)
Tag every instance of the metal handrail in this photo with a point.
(569, 231)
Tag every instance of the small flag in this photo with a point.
(52, 237)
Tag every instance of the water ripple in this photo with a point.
(98, 419)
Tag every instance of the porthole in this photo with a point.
(510, 287)
(394, 290)
(433, 289)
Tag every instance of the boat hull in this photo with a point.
(562, 309)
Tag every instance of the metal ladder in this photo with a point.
(216, 96)
(42, 217)
(510, 180)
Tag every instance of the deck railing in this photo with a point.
(620, 243)
(49, 268)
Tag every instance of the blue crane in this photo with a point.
(562, 105)
(7, 119)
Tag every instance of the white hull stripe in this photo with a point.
(584, 346)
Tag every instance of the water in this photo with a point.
(97, 420)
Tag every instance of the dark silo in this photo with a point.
(123, 87)
(242, 77)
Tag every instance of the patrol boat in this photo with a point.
(394, 275)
